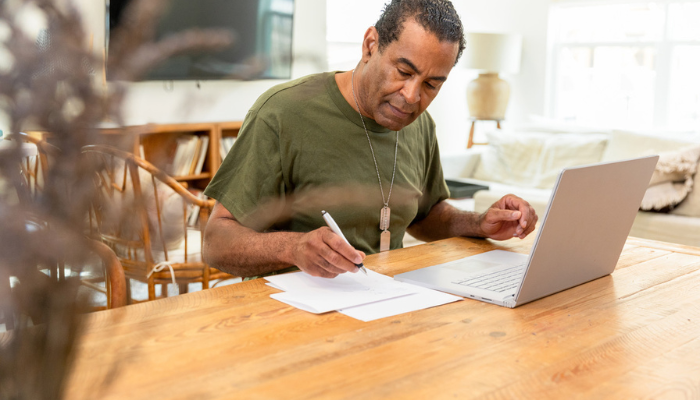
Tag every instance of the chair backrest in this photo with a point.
(142, 213)
(35, 169)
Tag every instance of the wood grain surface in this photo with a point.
(633, 334)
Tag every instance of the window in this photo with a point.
(629, 65)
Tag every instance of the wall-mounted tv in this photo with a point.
(262, 30)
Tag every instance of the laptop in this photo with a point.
(581, 236)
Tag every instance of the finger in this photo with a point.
(532, 219)
(532, 225)
(332, 261)
(341, 247)
(326, 265)
(528, 231)
(337, 261)
(495, 215)
(525, 210)
(315, 270)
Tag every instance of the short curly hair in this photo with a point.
(435, 16)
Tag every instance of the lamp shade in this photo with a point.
(493, 52)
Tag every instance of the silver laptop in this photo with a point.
(580, 239)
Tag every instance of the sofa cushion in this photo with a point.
(625, 145)
(667, 228)
(538, 123)
(511, 158)
(568, 150)
(534, 159)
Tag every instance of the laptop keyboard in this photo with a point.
(498, 281)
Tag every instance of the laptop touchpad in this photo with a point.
(471, 266)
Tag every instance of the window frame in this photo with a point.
(664, 50)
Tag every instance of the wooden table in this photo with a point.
(634, 334)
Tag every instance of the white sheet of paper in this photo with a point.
(319, 295)
(424, 298)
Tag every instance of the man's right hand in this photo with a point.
(323, 253)
(242, 251)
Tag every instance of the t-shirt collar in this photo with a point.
(349, 111)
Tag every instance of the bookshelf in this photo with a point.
(159, 144)
(226, 130)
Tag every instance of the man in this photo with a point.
(357, 144)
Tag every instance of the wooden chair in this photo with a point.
(114, 277)
(142, 214)
(115, 284)
(35, 171)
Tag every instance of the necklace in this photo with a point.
(385, 213)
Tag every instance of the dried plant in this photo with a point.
(52, 87)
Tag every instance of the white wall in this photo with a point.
(230, 100)
(216, 100)
(526, 17)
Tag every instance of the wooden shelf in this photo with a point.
(225, 129)
(160, 141)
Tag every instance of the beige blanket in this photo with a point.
(672, 179)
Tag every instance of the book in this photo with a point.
(204, 140)
(183, 155)
(193, 210)
(195, 155)
(226, 145)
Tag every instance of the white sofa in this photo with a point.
(526, 163)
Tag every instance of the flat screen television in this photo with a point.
(262, 30)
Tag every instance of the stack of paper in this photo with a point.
(364, 297)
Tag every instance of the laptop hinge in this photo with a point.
(509, 301)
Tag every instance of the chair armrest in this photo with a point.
(114, 274)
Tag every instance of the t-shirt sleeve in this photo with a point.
(250, 181)
(435, 189)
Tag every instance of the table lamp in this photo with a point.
(491, 53)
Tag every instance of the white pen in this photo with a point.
(334, 227)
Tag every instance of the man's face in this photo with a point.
(398, 83)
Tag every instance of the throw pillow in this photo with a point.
(538, 123)
(568, 150)
(625, 145)
(535, 159)
(511, 158)
(672, 179)
(690, 206)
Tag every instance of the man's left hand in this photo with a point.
(509, 217)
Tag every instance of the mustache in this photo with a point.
(403, 105)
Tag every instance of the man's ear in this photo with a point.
(370, 43)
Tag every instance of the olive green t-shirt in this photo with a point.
(302, 149)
